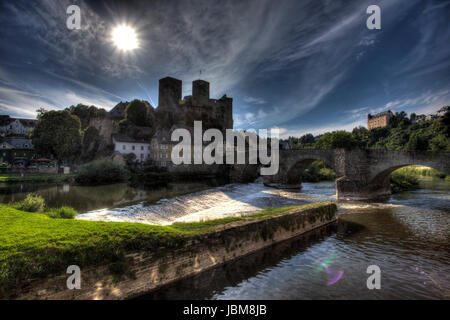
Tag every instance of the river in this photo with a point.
(407, 237)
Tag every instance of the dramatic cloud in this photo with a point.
(299, 65)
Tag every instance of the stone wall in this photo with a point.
(362, 174)
(106, 126)
(152, 270)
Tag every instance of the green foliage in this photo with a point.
(91, 143)
(318, 171)
(400, 134)
(402, 181)
(421, 171)
(137, 112)
(32, 203)
(304, 142)
(62, 213)
(103, 171)
(57, 134)
(336, 140)
(85, 113)
(35, 177)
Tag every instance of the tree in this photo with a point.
(85, 113)
(335, 140)
(306, 139)
(57, 134)
(362, 136)
(417, 142)
(137, 112)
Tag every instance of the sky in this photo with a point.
(303, 66)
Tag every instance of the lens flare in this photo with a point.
(333, 275)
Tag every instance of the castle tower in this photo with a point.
(169, 93)
(200, 93)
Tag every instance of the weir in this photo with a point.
(144, 271)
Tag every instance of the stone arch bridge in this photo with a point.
(362, 174)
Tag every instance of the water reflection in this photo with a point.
(87, 198)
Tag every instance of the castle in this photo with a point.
(379, 120)
(214, 113)
(199, 106)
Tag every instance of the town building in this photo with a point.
(15, 150)
(125, 145)
(161, 148)
(15, 126)
(379, 120)
(442, 111)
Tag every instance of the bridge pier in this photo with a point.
(347, 188)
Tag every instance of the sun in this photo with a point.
(124, 38)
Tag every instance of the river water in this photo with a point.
(407, 237)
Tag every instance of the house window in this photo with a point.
(142, 156)
(142, 148)
(132, 148)
(124, 147)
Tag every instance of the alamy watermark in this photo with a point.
(74, 281)
(374, 20)
(239, 147)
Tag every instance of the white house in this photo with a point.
(124, 144)
(15, 126)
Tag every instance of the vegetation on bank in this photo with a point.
(35, 177)
(407, 178)
(104, 171)
(422, 171)
(35, 203)
(400, 134)
(318, 171)
(401, 181)
(33, 245)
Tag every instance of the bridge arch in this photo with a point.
(295, 172)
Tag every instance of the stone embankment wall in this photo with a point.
(146, 271)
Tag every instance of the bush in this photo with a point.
(318, 171)
(62, 213)
(401, 181)
(101, 172)
(32, 203)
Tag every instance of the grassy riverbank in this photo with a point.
(408, 178)
(36, 177)
(34, 245)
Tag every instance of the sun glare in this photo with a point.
(124, 38)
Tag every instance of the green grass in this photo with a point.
(34, 245)
(421, 171)
(403, 181)
(35, 177)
